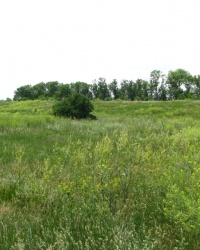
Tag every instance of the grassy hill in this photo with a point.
(129, 180)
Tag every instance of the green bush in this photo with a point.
(75, 106)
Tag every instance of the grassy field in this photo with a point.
(129, 180)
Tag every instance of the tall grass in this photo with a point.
(129, 180)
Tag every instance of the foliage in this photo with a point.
(178, 80)
(155, 76)
(176, 85)
(113, 87)
(75, 106)
(23, 93)
(81, 88)
(63, 91)
(38, 91)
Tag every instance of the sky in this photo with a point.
(76, 40)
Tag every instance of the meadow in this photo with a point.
(129, 180)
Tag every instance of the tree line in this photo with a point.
(177, 84)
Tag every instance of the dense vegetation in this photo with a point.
(177, 84)
(74, 106)
(129, 180)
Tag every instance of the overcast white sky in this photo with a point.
(76, 40)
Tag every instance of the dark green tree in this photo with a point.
(103, 91)
(39, 90)
(75, 106)
(64, 90)
(142, 88)
(196, 86)
(114, 90)
(155, 78)
(131, 90)
(162, 89)
(179, 83)
(23, 93)
(52, 88)
(189, 86)
(124, 91)
(81, 88)
(162, 93)
(94, 89)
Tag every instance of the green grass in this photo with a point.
(129, 180)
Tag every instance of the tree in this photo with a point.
(52, 88)
(81, 88)
(64, 90)
(179, 83)
(155, 77)
(23, 93)
(8, 99)
(39, 90)
(134, 90)
(126, 91)
(162, 91)
(114, 89)
(131, 90)
(196, 86)
(103, 91)
(141, 92)
(94, 89)
(75, 106)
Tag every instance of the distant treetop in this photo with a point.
(177, 84)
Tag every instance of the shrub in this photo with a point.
(75, 106)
